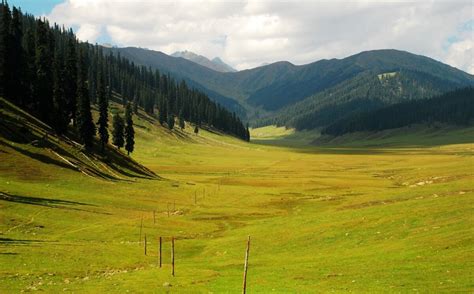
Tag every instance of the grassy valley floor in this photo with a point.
(321, 219)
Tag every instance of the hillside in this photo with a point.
(363, 93)
(29, 146)
(455, 108)
(350, 219)
(281, 87)
(179, 68)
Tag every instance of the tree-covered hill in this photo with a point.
(455, 108)
(365, 92)
(278, 87)
(46, 71)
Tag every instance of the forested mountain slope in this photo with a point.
(366, 91)
(47, 72)
(272, 88)
(455, 108)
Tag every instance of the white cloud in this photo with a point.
(461, 55)
(88, 32)
(249, 33)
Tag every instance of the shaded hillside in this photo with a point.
(180, 68)
(455, 108)
(365, 92)
(26, 138)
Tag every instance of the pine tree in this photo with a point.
(129, 131)
(135, 105)
(60, 116)
(85, 124)
(103, 121)
(30, 69)
(162, 116)
(118, 131)
(44, 75)
(92, 75)
(109, 93)
(16, 61)
(170, 121)
(247, 134)
(182, 124)
(70, 78)
(5, 20)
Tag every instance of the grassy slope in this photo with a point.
(24, 134)
(321, 219)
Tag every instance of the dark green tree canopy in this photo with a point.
(45, 70)
(129, 131)
(118, 131)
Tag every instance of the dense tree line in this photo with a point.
(455, 107)
(47, 71)
(365, 92)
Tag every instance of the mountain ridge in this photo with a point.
(215, 64)
(269, 90)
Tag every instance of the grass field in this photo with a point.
(321, 219)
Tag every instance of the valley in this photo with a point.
(314, 161)
(321, 219)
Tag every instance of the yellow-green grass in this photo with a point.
(321, 219)
(386, 75)
(282, 136)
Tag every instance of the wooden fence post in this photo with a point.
(172, 256)
(244, 287)
(168, 207)
(145, 244)
(160, 251)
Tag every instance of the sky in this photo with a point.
(250, 33)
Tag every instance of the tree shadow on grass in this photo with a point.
(47, 202)
(39, 157)
(37, 201)
(19, 242)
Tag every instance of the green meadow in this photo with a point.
(367, 218)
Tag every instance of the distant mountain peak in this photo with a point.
(215, 64)
(217, 59)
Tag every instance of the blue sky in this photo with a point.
(36, 7)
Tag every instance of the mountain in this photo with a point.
(215, 64)
(294, 95)
(180, 68)
(222, 65)
(365, 92)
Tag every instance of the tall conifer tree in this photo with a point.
(44, 74)
(70, 77)
(103, 121)
(16, 60)
(59, 114)
(118, 131)
(85, 125)
(5, 20)
(129, 131)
